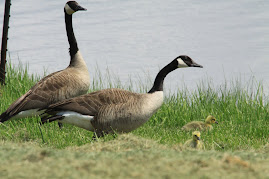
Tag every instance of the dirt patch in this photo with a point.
(235, 160)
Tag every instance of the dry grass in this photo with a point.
(128, 156)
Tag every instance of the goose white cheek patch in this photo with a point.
(68, 9)
(181, 63)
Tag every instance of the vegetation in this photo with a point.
(241, 110)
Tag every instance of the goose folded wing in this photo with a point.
(90, 104)
(36, 97)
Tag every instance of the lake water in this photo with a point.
(137, 38)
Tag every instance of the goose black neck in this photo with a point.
(158, 83)
(70, 35)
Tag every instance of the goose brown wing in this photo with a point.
(42, 94)
(89, 104)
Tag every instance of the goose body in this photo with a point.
(200, 125)
(70, 82)
(108, 110)
(114, 110)
(195, 142)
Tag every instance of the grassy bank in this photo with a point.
(242, 113)
(241, 110)
(128, 156)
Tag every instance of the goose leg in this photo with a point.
(51, 119)
(60, 125)
(98, 134)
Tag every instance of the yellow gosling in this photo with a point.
(200, 125)
(195, 142)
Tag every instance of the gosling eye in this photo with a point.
(195, 135)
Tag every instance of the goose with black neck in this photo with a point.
(114, 110)
(70, 82)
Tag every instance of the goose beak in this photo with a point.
(80, 8)
(196, 65)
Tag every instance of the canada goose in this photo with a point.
(110, 110)
(195, 142)
(200, 125)
(67, 83)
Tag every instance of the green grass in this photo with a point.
(241, 110)
(242, 113)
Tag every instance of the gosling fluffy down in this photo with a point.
(195, 142)
(200, 125)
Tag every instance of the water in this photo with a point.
(133, 38)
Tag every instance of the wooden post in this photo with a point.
(4, 42)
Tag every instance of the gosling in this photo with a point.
(200, 125)
(195, 142)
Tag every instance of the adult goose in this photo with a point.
(70, 82)
(114, 110)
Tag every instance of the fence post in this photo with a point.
(4, 42)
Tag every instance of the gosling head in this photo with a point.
(210, 120)
(72, 7)
(185, 61)
(196, 135)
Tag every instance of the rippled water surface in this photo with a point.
(133, 38)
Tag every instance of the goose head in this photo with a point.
(179, 62)
(184, 61)
(211, 120)
(72, 7)
(196, 135)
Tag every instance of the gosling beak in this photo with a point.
(196, 65)
(216, 122)
(198, 138)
